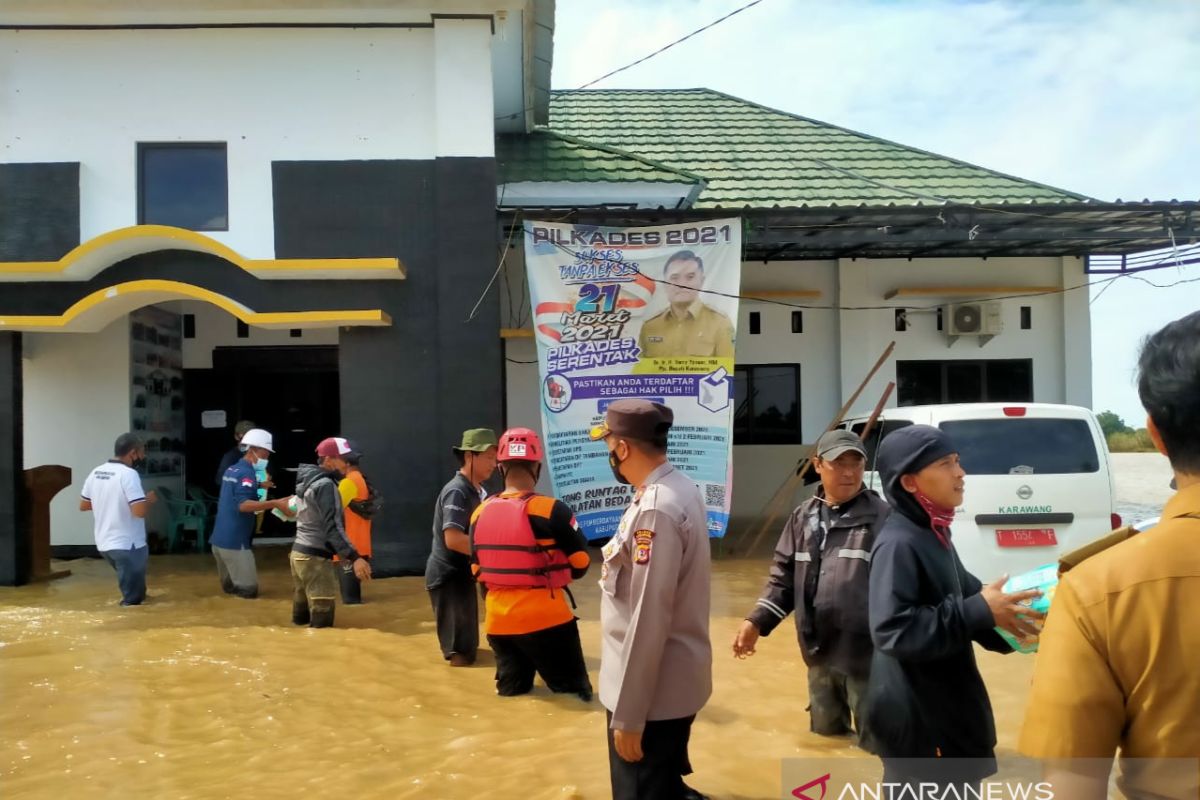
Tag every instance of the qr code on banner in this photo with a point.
(714, 494)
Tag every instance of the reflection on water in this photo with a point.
(199, 695)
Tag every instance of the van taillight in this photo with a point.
(1116, 521)
(1014, 411)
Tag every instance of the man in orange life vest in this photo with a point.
(526, 548)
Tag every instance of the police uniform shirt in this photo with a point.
(656, 656)
(700, 331)
(1118, 664)
(113, 489)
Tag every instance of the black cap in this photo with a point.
(635, 419)
(834, 443)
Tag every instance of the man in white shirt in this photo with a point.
(113, 493)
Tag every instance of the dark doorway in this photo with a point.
(290, 391)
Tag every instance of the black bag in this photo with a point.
(372, 505)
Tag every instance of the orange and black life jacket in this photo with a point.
(508, 553)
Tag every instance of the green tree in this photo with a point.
(1110, 423)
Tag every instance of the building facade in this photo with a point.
(295, 215)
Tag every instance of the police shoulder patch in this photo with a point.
(643, 542)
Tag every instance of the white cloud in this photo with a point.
(1100, 97)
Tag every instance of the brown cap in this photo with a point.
(635, 419)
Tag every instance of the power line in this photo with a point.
(891, 307)
(672, 44)
(641, 60)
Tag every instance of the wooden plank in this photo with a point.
(516, 333)
(779, 501)
(777, 293)
(968, 291)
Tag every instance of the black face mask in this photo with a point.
(138, 463)
(615, 466)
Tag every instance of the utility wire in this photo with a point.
(892, 307)
(665, 48)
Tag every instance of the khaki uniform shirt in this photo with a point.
(1119, 659)
(656, 656)
(700, 332)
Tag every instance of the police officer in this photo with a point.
(688, 327)
(820, 571)
(656, 657)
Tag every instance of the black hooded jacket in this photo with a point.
(926, 696)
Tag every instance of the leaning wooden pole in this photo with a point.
(785, 492)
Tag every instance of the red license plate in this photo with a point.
(1029, 537)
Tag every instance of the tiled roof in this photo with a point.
(750, 155)
(550, 156)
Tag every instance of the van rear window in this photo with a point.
(1023, 446)
(882, 428)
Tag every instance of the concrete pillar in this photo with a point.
(14, 539)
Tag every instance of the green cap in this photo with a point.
(478, 440)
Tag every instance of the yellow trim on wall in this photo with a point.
(516, 333)
(98, 309)
(967, 291)
(95, 255)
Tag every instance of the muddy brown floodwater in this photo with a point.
(199, 695)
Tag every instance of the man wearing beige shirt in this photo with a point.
(656, 656)
(1118, 669)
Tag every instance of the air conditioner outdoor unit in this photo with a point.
(981, 320)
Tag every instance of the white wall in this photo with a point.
(270, 94)
(864, 334)
(76, 404)
(216, 328)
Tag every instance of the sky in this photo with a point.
(1101, 97)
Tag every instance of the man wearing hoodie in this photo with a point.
(820, 571)
(926, 698)
(320, 534)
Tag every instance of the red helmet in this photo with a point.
(519, 444)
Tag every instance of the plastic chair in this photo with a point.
(207, 500)
(183, 515)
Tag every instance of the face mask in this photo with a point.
(615, 466)
(138, 463)
(940, 517)
(261, 465)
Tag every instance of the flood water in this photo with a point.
(200, 695)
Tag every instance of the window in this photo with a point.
(920, 383)
(184, 185)
(1023, 446)
(766, 404)
(755, 323)
(243, 330)
(1026, 318)
(797, 322)
(189, 326)
(882, 428)
(901, 319)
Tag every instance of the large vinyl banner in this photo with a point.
(635, 312)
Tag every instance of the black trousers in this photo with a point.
(349, 583)
(659, 775)
(554, 653)
(456, 609)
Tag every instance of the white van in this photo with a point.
(1038, 479)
